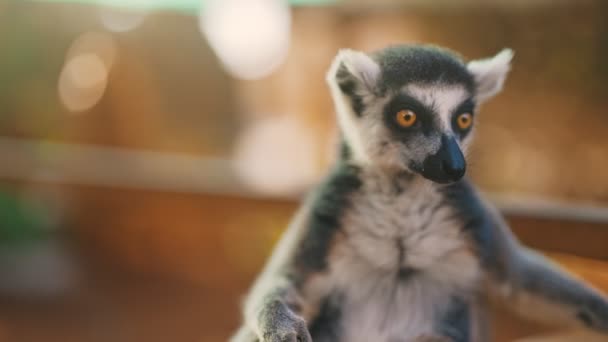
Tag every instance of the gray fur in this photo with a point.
(379, 253)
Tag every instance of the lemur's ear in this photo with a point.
(490, 73)
(355, 73)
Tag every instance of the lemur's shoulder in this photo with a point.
(483, 222)
(325, 207)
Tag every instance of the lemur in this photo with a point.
(395, 244)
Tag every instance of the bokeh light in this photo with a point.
(82, 82)
(84, 77)
(121, 20)
(250, 37)
(276, 156)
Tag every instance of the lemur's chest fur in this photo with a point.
(399, 262)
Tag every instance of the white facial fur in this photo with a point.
(444, 99)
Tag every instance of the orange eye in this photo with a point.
(464, 121)
(405, 118)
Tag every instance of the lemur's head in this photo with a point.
(412, 107)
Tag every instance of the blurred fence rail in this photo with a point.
(31, 160)
(116, 167)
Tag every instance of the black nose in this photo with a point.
(447, 165)
(454, 170)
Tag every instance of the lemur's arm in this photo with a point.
(534, 286)
(273, 308)
(292, 286)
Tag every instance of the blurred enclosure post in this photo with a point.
(152, 152)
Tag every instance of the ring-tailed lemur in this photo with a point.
(395, 245)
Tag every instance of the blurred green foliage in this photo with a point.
(19, 221)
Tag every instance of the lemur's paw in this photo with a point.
(280, 324)
(293, 329)
(595, 314)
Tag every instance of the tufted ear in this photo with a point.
(355, 74)
(356, 66)
(490, 73)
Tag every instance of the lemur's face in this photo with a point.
(413, 107)
(426, 129)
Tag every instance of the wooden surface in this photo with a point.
(159, 267)
(115, 306)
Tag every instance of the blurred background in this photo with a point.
(152, 151)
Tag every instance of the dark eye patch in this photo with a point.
(424, 116)
(467, 106)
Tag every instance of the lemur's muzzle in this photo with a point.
(447, 165)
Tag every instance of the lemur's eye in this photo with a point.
(464, 121)
(405, 118)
